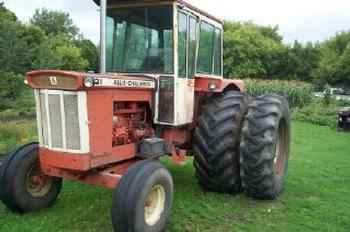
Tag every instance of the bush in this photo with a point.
(318, 113)
(299, 94)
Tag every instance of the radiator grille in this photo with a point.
(62, 120)
(55, 120)
(72, 122)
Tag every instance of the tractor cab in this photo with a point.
(172, 41)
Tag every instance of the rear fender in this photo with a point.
(217, 85)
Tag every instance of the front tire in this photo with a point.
(143, 199)
(24, 188)
(216, 142)
(265, 147)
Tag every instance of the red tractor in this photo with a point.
(160, 92)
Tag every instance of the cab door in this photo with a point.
(187, 26)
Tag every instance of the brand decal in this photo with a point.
(122, 83)
(53, 80)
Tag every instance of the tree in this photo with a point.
(50, 42)
(252, 51)
(334, 64)
(303, 60)
(67, 48)
(13, 49)
(11, 87)
(58, 53)
(55, 22)
(271, 32)
(89, 52)
(5, 14)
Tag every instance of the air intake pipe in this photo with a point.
(103, 13)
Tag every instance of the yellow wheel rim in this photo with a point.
(155, 205)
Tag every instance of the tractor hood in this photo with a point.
(66, 80)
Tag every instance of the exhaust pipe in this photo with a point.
(103, 14)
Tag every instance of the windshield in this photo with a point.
(140, 40)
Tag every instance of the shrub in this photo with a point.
(299, 94)
(318, 113)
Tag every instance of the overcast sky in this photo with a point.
(303, 20)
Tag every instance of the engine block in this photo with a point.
(131, 123)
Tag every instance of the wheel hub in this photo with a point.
(37, 184)
(281, 149)
(155, 205)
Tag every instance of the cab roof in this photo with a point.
(182, 2)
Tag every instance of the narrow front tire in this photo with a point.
(143, 199)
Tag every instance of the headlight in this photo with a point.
(212, 86)
(89, 82)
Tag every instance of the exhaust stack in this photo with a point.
(103, 13)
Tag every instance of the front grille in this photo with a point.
(62, 120)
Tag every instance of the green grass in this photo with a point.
(316, 197)
(16, 132)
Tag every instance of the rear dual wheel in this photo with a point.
(216, 142)
(227, 157)
(264, 149)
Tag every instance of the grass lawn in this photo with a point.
(317, 197)
(16, 132)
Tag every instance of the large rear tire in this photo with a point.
(24, 188)
(143, 199)
(265, 147)
(216, 142)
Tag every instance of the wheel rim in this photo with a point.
(37, 184)
(154, 205)
(281, 155)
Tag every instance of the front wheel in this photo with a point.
(143, 198)
(24, 187)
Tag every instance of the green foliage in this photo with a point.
(51, 41)
(5, 14)
(64, 47)
(334, 65)
(58, 53)
(298, 93)
(89, 52)
(248, 52)
(11, 87)
(302, 60)
(16, 52)
(257, 52)
(318, 113)
(327, 98)
(54, 22)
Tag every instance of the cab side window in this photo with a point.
(182, 44)
(210, 50)
(217, 53)
(192, 46)
(206, 48)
